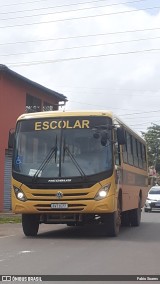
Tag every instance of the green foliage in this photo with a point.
(152, 138)
(7, 219)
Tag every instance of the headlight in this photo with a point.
(103, 192)
(19, 194)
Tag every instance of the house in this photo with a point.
(18, 95)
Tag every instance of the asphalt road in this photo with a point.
(59, 249)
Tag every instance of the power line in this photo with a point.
(21, 3)
(153, 111)
(145, 123)
(81, 57)
(78, 47)
(81, 36)
(109, 89)
(116, 94)
(135, 113)
(78, 18)
(155, 114)
(51, 13)
(65, 11)
(119, 92)
(66, 5)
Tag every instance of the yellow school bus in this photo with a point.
(78, 168)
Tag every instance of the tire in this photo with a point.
(125, 219)
(135, 215)
(30, 224)
(146, 210)
(112, 222)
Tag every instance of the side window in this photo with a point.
(140, 154)
(144, 160)
(129, 149)
(135, 152)
(117, 150)
(124, 150)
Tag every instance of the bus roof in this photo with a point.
(50, 114)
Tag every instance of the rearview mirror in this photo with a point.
(11, 139)
(121, 136)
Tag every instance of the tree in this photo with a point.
(152, 138)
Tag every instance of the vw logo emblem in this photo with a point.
(59, 194)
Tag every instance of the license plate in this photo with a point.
(157, 204)
(59, 205)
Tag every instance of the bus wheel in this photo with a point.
(113, 222)
(135, 215)
(146, 210)
(30, 224)
(125, 219)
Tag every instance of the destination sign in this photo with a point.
(54, 124)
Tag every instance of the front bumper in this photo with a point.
(152, 205)
(77, 206)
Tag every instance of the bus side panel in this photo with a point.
(133, 183)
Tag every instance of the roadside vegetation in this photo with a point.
(10, 219)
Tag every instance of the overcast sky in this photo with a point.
(100, 54)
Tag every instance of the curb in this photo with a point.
(8, 214)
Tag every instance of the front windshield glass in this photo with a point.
(45, 149)
(154, 191)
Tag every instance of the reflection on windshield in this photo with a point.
(66, 150)
(77, 153)
(154, 192)
(45, 162)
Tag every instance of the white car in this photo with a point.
(153, 199)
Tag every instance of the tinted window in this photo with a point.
(135, 152)
(125, 156)
(129, 149)
(155, 190)
(139, 154)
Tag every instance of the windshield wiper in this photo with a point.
(46, 161)
(74, 161)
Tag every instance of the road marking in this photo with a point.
(7, 236)
(24, 251)
(10, 256)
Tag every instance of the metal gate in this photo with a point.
(7, 179)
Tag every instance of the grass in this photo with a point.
(8, 219)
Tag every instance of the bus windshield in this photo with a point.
(54, 148)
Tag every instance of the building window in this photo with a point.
(33, 104)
